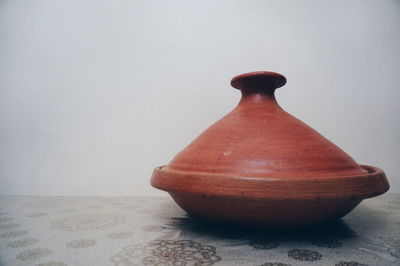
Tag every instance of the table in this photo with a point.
(59, 231)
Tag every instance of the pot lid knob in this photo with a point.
(258, 81)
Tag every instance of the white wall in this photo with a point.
(94, 94)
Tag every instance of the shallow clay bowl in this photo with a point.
(269, 201)
(260, 165)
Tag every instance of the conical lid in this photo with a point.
(259, 151)
(259, 139)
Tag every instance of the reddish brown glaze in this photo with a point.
(261, 165)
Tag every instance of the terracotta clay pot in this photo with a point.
(260, 165)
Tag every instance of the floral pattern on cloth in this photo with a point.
(167, 253)
(123, 231)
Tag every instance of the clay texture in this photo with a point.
(260, 165)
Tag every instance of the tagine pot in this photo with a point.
(259, 165)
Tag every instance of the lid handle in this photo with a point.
(258, 81)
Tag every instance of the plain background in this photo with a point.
(95, 94)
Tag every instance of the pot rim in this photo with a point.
(362, 186)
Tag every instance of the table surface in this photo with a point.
(57, 231)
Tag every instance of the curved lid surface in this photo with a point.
(259, 139)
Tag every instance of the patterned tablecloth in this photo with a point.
(154, 231)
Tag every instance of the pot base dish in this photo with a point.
(272, 202)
